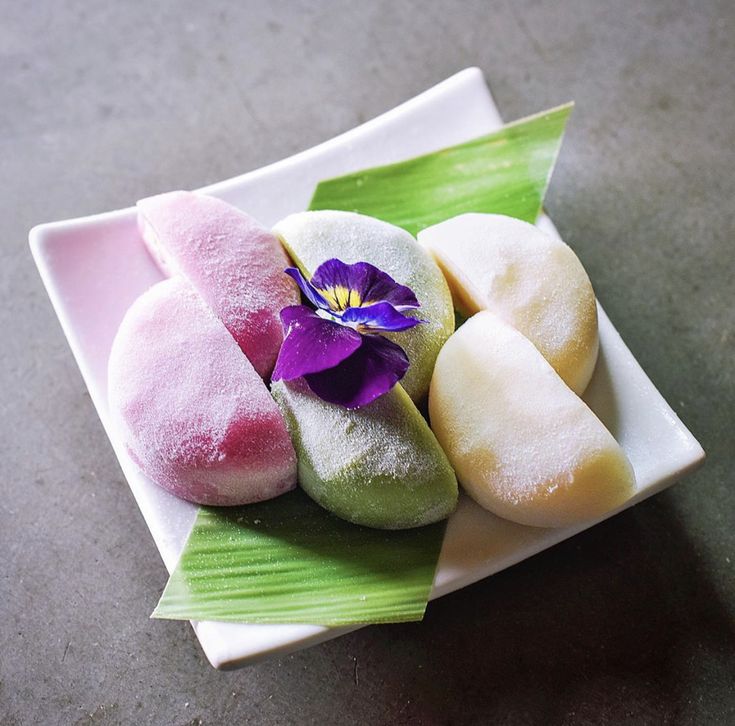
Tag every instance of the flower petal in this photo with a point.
(310, 292)
(380, 316)
(372, 370)
(311, 343)
(360, 284)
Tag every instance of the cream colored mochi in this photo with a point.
(523, 445)
(533, 281)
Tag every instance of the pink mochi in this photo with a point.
(192, 411)
(234, 263)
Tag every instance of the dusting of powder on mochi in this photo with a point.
(533, 281)
(194, 414)
(522, 443)
(313, 237)
(378, 465)
(235, 264)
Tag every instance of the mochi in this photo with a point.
(531, 280)
(522, 443)
(235, 264)
(190, 408)
(314, 237)
(379, 465)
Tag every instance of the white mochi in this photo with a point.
(532, 281)
(523, 445)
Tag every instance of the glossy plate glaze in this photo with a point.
(95, 267)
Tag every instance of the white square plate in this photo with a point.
(94, 268)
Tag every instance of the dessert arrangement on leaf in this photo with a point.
(322, 354)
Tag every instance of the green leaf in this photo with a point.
(289, 561)
(506, 172)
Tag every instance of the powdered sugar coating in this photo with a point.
(531, 280)
(192, 411)
(522, 443)
(379, 465)
(314, 237)
(234, 263)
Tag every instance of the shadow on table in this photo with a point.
(607, 624)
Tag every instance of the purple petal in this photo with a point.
(312, 344)
(310, 292)
(381, 316)
(372, 370)
(371, 285)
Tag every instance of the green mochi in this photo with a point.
(314, 237)
(378, 466)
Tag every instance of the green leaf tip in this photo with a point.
(289, 561)
(505, 172)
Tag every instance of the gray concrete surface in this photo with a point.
(102, 103)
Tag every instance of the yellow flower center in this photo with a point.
(340, 297)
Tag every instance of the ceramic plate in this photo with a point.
(95, 267)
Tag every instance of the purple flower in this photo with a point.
(337, 347)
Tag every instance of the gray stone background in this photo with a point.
(102, 103)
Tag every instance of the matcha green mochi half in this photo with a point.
(314, 237)
(379, 466)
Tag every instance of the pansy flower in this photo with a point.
(338, 347)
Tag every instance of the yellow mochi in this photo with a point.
(532, 281)
(523, 445)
